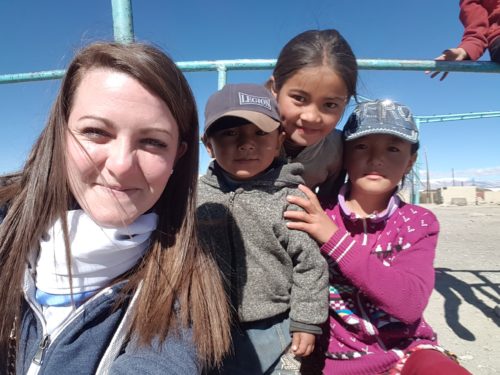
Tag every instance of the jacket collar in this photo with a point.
(375, 217)
(279, 174)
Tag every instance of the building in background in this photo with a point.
(460, 196)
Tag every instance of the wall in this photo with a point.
(460, 195)
(492, 197)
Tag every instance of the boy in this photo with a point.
(276, 278)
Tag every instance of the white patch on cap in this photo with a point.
(261, 101)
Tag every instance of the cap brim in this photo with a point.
(262, 121)
(409, 138)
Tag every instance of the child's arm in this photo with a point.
(313, 220)
(309, 289)
(401, 288)
(303, 343)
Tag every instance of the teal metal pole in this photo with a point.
(34, 76)
(215, 65)
(416, 173)
(122, 20)
(221, 76)
(431, 65)
(123, 26)
(457, 117)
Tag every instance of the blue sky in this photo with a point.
(42, 35)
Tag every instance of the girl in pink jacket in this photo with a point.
(380, 252)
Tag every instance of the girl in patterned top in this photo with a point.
(380, 252)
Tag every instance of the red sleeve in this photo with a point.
(474, 17)
(402, 289)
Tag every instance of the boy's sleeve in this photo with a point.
(309, 294)
(314, 329)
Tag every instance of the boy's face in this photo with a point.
(244, 151)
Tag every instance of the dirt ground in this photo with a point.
(462, 306)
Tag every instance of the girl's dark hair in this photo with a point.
(413, 150)
(314, 48)
(414, 147)
(175, 270)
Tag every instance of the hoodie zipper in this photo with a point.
(234, 281)
(370, 329)
(40, 353)
(47, 340)
(365, 230)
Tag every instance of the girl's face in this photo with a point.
(376, 164)
(244, 151)
(122, 143)
(311, 104)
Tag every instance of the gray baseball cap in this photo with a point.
(251, 102)
(381, 117)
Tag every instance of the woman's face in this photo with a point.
(122, 144)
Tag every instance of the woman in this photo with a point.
(100, 269)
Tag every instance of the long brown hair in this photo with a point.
(176, 271)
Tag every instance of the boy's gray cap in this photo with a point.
(251, 102)
(381, 117)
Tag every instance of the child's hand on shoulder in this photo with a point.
(302, 344)
(313, 220)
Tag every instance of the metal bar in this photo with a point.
(268, 64)
(415, 176)
(123, 25)
(363, 64)
(221, 76)
(34, 76)
(214, 65)
(457, 117)
(431, 65)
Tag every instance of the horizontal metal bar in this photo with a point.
(214, 65)
(456, 117)
(432, 65)
(268, 64)
(363, 64)
(35, 76)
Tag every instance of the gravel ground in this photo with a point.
(462, 306)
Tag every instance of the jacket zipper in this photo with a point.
(40, 353)
(366, 321)
(234, 287)
(367, 324)
(365, 235)
(46, 341)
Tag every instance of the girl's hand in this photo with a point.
(302, 344)
(313, 220)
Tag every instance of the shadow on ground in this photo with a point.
(455, 291)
